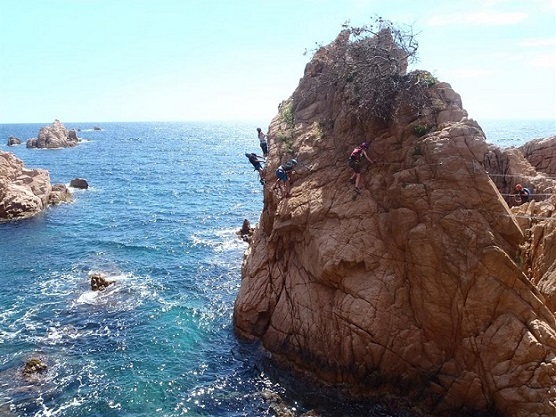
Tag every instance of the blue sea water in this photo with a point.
(160, 218)
(515, 132)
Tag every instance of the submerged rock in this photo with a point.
(34, 366)
(416, 286)
(99, 282)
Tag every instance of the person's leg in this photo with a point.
(351, 164)
(357, 177)
(356, 168)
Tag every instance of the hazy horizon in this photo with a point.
(158, 60)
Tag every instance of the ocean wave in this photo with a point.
(221, 240)
(47, 411)
(127, 292)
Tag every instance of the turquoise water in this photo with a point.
(160, 217)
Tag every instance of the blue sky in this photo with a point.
(157, 60)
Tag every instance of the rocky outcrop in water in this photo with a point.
(79, 183)
(34, 366)
(25, 192)
(424, 286)
(99, 282)
(54, 136)
(12, 141)
(246, 231)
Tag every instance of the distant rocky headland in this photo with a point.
(26, 192)
(435, 285)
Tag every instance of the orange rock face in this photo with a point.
(416, 286)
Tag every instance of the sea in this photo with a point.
(160, 217)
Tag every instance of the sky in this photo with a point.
(174, 60)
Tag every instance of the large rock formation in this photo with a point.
(418, 287)
(54, 136)
(541, 153)
(25, 192)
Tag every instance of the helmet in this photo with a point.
(365, 145)
(294, 161)
(518, 187)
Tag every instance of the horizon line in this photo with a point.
(239, 121)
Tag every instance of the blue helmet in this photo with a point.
(365, 145)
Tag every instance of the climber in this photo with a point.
(263, 141)
(523, 194)
(284, 175)
(256, 162)
(355, 163)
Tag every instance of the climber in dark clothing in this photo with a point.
(284, 173)
(256, 162)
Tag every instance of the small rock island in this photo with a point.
(54, 136)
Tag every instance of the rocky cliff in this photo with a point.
(541, 153)
(425, 285)
(25, 192)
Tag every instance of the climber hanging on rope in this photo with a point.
(256, 162)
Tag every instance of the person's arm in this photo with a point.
(368, 159)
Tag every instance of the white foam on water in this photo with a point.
(88, 297)
(55, 411)
(221, 240)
